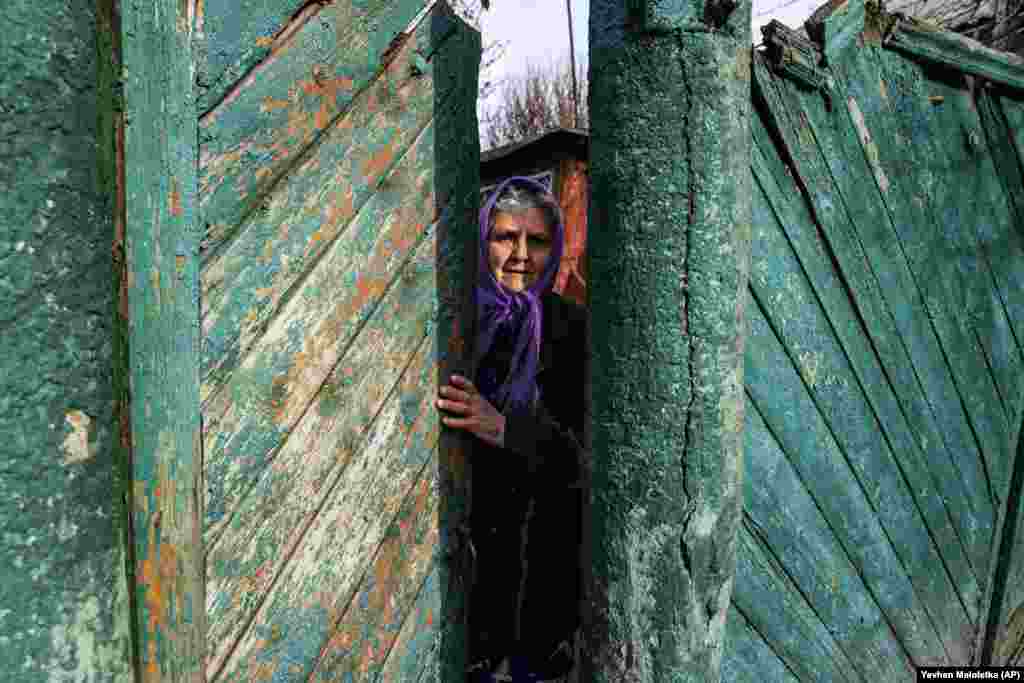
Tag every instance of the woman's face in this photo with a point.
(518, 247)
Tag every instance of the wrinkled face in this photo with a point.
(518, 247)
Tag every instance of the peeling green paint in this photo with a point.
(667, 314)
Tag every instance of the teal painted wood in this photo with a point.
(1012, 106)
(995, 242)
(162, 245)
(231, 38)
(246, 283)
(786, 518)
(668, 292)
(778, 612)
(948, 155)
(273, 517)
(939, 496)
(950, 49)
(315, 607)
(747, 657)
(250, 141)
(338, 495)
(456, 52)
(776, 389)
(1000, 140)
(797, 317)
(830, 164)
(266, 396)
(911, 209)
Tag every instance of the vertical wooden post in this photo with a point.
(162, 257)
(669, 231)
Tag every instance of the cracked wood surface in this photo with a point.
(163, 301)
(330, 285)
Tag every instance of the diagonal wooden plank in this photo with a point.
(248, 555)
(232, 37)
(318, 584)
(966, 200)
(747, 657)
(795, 314)
(932, 269)
(940, 495)
(273, 387)
(360, 645)
(829, 163)
(244, 286)
(1012, 106)
(289, 102)
(997, 239)
(777, 390)
(414, 656)
(780, 614)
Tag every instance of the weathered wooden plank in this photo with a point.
(244, 286)
(283, 370)
(924, 40)
(927, 488)
(829, 163)
(251, 140)
(776, 388)
(915, 211)
(415, 656)
(966, 199)
(1002, 634)
(1012, 106)
(360, 646)
(747, 657)
(163, 294)
(247, 557)
(1000, 139)
(995, 239)
(317, 585)
(782, 515)
(456, 183)
(781, 615)
(796, 315)
(232, 37)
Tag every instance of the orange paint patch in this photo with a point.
(264, 41)
(375, 166)
(174, 198)
(270, 104)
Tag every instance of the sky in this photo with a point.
(537, 30)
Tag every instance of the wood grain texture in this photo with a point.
(231, 38)
(748, 658)
(245, 284)
(778, 612)
(316, 588)
(269, 392)
(272, 518)
(249, 142)
(775, 387)
(797, 317)
(937, 492)
(933, 269)
(829, 163)
(163, 301)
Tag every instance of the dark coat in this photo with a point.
(527, 501)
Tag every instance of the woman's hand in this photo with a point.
(476, 414)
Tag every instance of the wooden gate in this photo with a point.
(333, 136)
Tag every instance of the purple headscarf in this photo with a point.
(503, 314)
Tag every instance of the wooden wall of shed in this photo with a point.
(335, 236)
(572, 184)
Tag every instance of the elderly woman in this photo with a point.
(527, 411)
